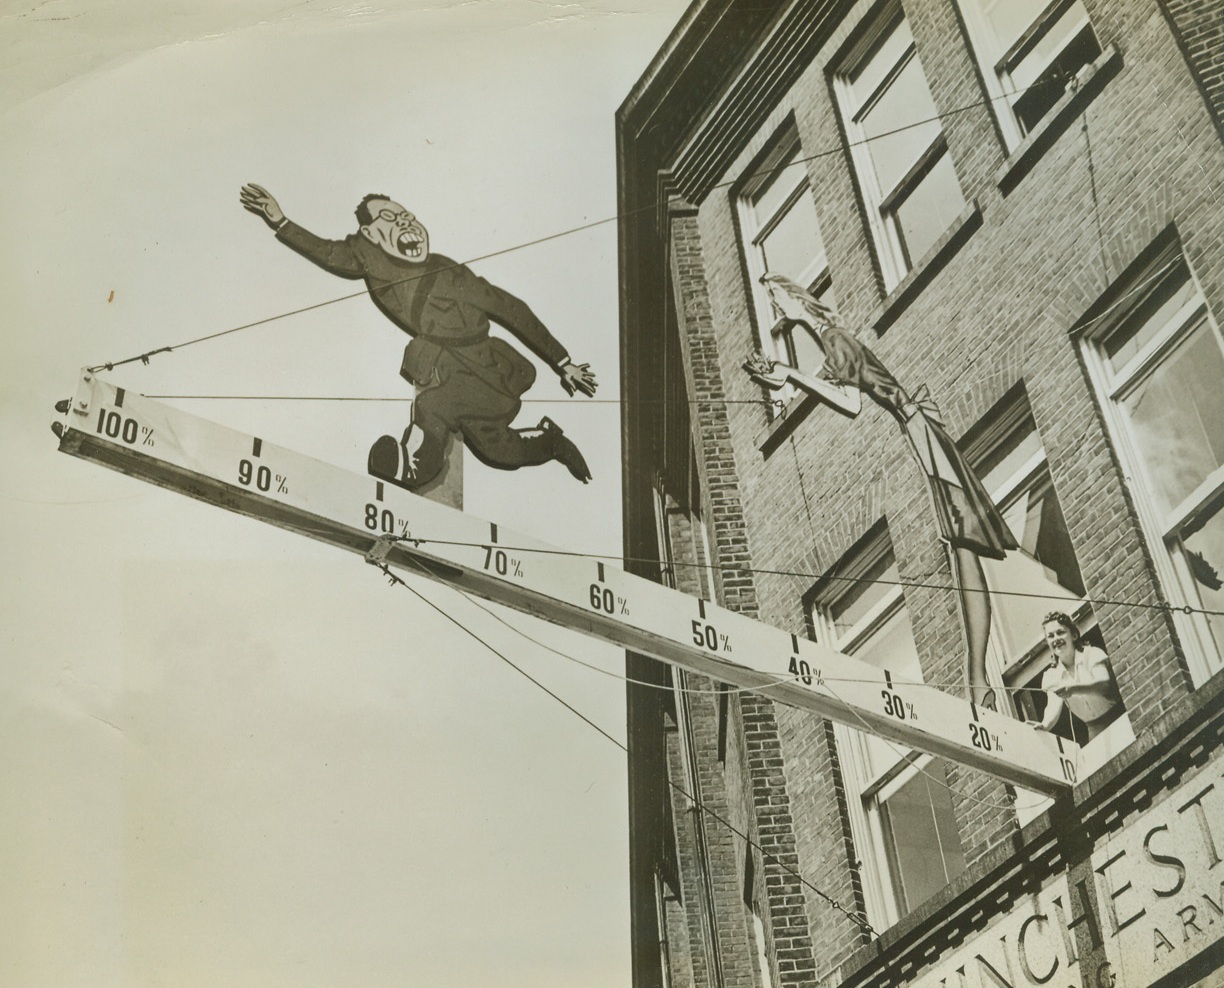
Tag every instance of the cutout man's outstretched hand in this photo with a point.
(256, 199)
(578, 377)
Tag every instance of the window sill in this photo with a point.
(1091, 80)
(784, 423)
(932, 262)
(1095, 755)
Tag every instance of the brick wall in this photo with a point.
(1140, 155)
(1199, 25)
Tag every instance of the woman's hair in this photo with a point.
(1058, 617)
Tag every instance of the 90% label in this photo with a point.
(261, 478)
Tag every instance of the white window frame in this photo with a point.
(754, 229)
(865, 790)
(1160, 529)
(756, 919)
(1026, 476)
(661, 901)
(1028, 665)
(881, 203)
(997, 66)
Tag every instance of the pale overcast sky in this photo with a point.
(231, 755)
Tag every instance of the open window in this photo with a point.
(1042, 577)
(1029, 52)
(900, 807)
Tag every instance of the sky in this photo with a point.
(232, 755)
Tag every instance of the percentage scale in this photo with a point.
(393, 527)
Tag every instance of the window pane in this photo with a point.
(1057, 37)
(778, 182)
(1046, 571)
(1008, 19)
(1001, 463)
(793, 247)
(866, 77)
(919, 826)
(891, 647)
(1177, 418)
(1046, 88)
(1044, 536)
(930, 208)
(1154, 315)
(1204, 551)
(1046, 568)
(858, 596)
(906, 101)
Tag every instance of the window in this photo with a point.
(1044, 575)
(1029, 52)
(1157, 360)
(752, 902)
(781, 236)
(900, 807)
(898, 146)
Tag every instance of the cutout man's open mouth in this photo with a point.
(409, 245)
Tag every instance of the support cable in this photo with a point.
(761, 571)
(718, 691)
(835, 149)
(853, 915)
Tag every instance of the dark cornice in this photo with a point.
(738, 113)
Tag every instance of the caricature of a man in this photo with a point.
(467, 381)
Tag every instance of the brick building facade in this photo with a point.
(1020, 206)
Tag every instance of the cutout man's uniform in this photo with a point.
(467, 381)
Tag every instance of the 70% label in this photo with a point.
(502, 563)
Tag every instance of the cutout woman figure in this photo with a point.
(969, 523)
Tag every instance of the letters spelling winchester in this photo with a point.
(1150, 899)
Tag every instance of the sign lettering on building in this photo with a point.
(1150, 899)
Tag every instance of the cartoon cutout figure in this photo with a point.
(969, 523)
(467, 381)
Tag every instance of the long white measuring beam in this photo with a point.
(171, 448)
